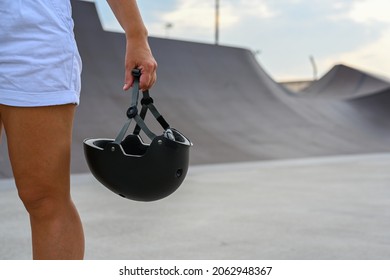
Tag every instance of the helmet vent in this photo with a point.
(179, 172)
(132, 145)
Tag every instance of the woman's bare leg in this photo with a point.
(39, 142)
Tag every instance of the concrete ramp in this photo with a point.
(345, 82)
(223, 100)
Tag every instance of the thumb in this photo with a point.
(129, 80)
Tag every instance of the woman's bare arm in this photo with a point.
(138, 53)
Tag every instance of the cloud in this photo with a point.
(198, 14)
(254, 8)
(373, 56)
(371, 17)
(370, 11)
(194, 18)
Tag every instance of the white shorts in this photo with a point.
(39, 61)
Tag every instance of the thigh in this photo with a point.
(39, 144)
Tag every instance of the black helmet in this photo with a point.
(134, 169)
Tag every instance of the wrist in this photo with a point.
(136, 33)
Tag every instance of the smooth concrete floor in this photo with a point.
(321, 208)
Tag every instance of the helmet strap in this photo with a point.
(132, 112)
(147, 104)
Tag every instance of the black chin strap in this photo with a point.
(132, 112)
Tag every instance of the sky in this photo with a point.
(283, 34)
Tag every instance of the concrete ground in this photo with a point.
(323, 208)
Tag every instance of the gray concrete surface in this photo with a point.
(320, 208)
(344, 82)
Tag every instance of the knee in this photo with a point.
(40, 199)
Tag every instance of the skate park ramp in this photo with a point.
(274, 174)
(222, 99)
(343, 82)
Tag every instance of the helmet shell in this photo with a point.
(136, 170)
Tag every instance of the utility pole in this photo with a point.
(314, 66)
(168, 26)
(216, 22)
